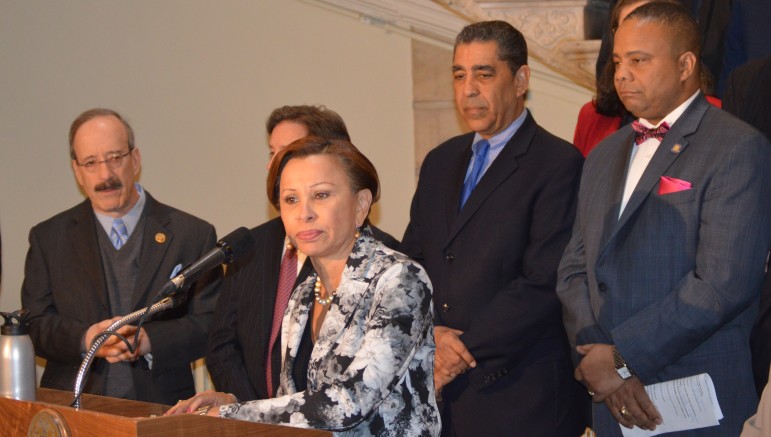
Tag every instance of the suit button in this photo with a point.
(450, 257)
(445, 307)
(603, 287)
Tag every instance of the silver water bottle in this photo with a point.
(17, 358)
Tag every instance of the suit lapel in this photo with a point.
(671, 148)
(500, 170)
(455, 176)
(83, 237)
(613, 191)
(154, 248)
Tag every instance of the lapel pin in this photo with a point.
(160, 238)
(677, 148)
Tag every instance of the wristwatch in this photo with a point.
(621, 368)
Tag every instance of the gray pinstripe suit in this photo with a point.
(673, 283)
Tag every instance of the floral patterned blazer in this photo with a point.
(371, 368)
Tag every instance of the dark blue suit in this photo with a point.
(493, 267)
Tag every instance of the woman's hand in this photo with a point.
(202, 403)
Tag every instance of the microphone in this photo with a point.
(229, 248)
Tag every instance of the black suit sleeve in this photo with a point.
(225, 356)
(56, 337)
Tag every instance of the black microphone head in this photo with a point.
(236, 244)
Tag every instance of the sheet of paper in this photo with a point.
(686, 403)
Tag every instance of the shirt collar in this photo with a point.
(131, 218)
(500, 139)
(673, 116)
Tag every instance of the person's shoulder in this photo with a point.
(720, 120)
(452, 146)
(176, 216)
(721, 126)
(269, 226)
(557, 144)
(390, 257)
(753, 68)
(395, 264)
(555, 148)
(63, 218)
(610, 145)
(273, 228)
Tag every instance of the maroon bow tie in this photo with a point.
(642, 133)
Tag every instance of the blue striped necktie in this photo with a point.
(118, 233)
(483, 147)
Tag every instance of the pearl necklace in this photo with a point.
(317, 293)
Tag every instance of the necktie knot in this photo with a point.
(119, 233)
(642, 133)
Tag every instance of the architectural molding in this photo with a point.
(553, 28)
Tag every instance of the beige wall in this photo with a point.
(196, 78)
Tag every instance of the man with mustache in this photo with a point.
(490, 218)
(106, 258)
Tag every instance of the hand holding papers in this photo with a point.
(686, 403)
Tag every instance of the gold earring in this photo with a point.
(357, 233)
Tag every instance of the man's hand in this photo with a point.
(451, 358)
(597, 370)
(113, 349)
(630, 406)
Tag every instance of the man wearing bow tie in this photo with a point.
(661, 278)
(108, 257)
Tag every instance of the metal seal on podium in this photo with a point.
(48, 423)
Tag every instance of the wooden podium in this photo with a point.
(101, 416)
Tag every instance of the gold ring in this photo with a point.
(624, 411)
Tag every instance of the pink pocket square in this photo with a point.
(668, 185)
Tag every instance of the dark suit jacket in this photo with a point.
(493, 267)
(240, 333)
(65, 291)
(746, 37)
(748, 96)
(748, 93)
(673, 283)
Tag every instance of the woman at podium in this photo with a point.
(362, 321)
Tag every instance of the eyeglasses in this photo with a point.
(113, 161)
